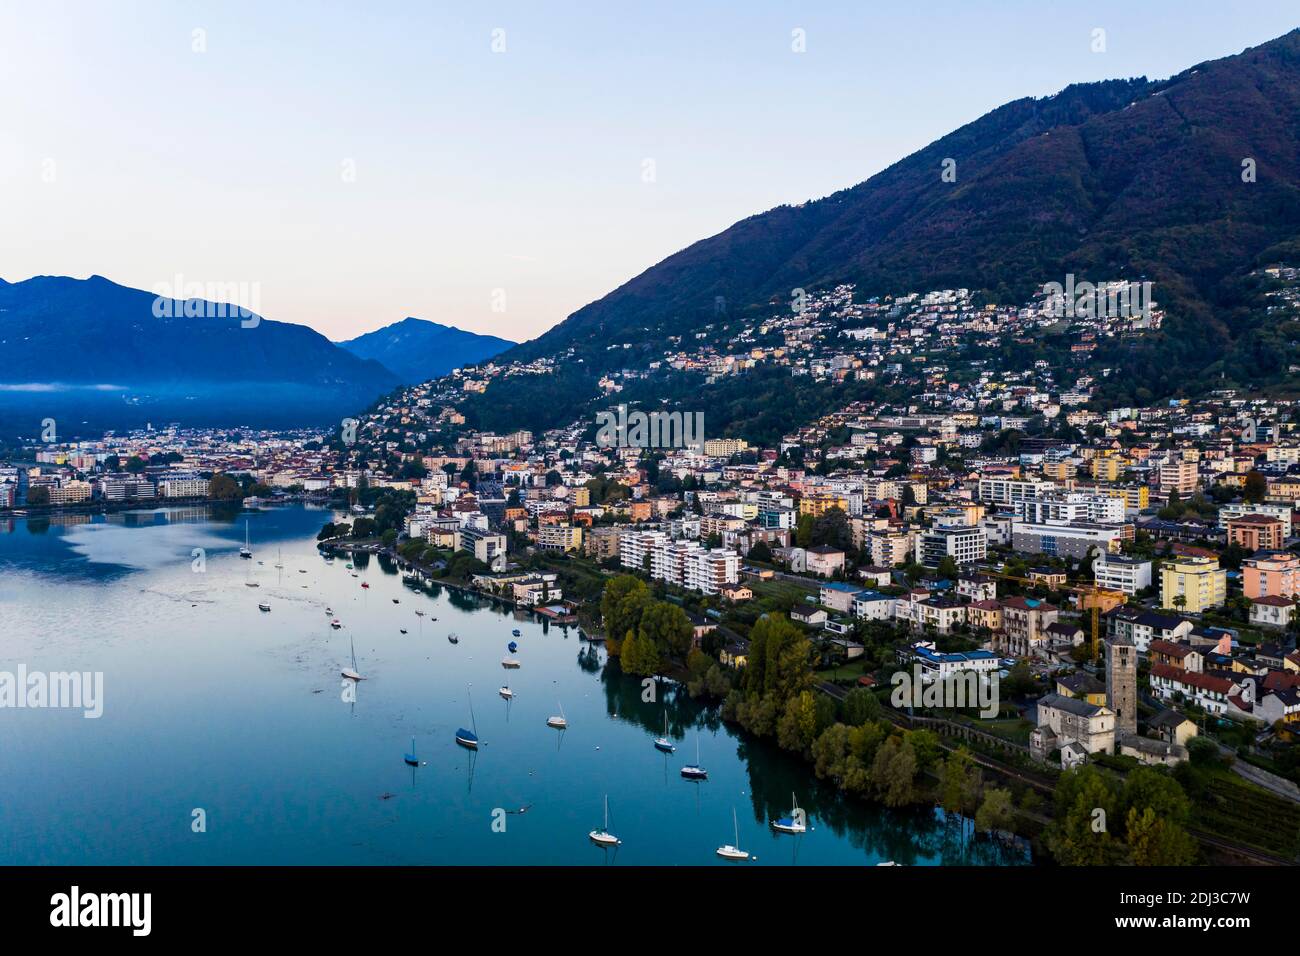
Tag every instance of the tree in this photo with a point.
(947, 568)
(860, 706)
(893, 773)
(996, 812)
(1086, 807)
(1255, 488)
(624, 599)
(38, 496)
(958, 783)
(1155, 841)
(761, 551)
(667, 627)
(797, 728)
(222, 487)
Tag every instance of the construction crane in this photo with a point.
(1082, 590)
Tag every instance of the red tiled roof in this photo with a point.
(1216, 685)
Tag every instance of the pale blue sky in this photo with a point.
(125, 153)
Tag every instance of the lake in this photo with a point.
(211, 705)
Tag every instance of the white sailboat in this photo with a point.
(603, 836)
(694, 771)
(351, 673)
(663, 743)
(279, 559)
(506, 692)
(733, 851)
(559, 723)
(796, 822)
(246, 551)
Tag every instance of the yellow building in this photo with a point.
(1058, 470)
(1199, 581)
(818, 505)
(1107, 468)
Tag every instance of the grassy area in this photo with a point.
(849, 672)
(777, 592)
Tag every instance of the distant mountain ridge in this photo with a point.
(418, 350)
(59, 335)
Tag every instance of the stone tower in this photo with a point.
(1121, 684)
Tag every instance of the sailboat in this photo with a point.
(795, 822)
(506, 692)
(559, 723)
(246, 551)
(410, 758)
(468, 738)
(603, 836)
(733, 851)
(351, 673)
(694, 771)
(336, 623)
(663, 743)
(279, 559)
(453, 637)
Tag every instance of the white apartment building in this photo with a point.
(1119, 573)
(1072, 507)
(1237, 509)
(965, 545)
(687, 564)
(1009, 492)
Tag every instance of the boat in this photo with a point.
(264, 606)
(395, 601)
(558, 722)
(329, 559)
(515, 632)
(251, 584)
(468, 738)
(603, 836)
(795, 822)
(410, 758)
(302, 570)
(421, 614)
(351, 673)
(694, 771)
(512, 647)
(279, 559)
(663, 743)
(889, 863)
(732, 851)
(336, 624)
(509, 662)
(453, 638)
(402, 629)
(349, 565)
(506, 692)
(246, 551)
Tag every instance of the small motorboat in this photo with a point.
(395, 601)
(509, 662)
(421, 614)
(252, 584)
(512, 647)
(402, 629)
(264, 606)
(515, 632)
(336, 624)
(365, 585)
(453, 638)
(506, 692)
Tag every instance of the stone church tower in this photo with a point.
(1121, 684)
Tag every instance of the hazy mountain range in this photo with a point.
(95, 354)
(418, 350)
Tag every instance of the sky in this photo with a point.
(497, 166)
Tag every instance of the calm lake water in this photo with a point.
(210, 703)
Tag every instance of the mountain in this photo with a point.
(1117, 179)
(418, 350)
(96, 350)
